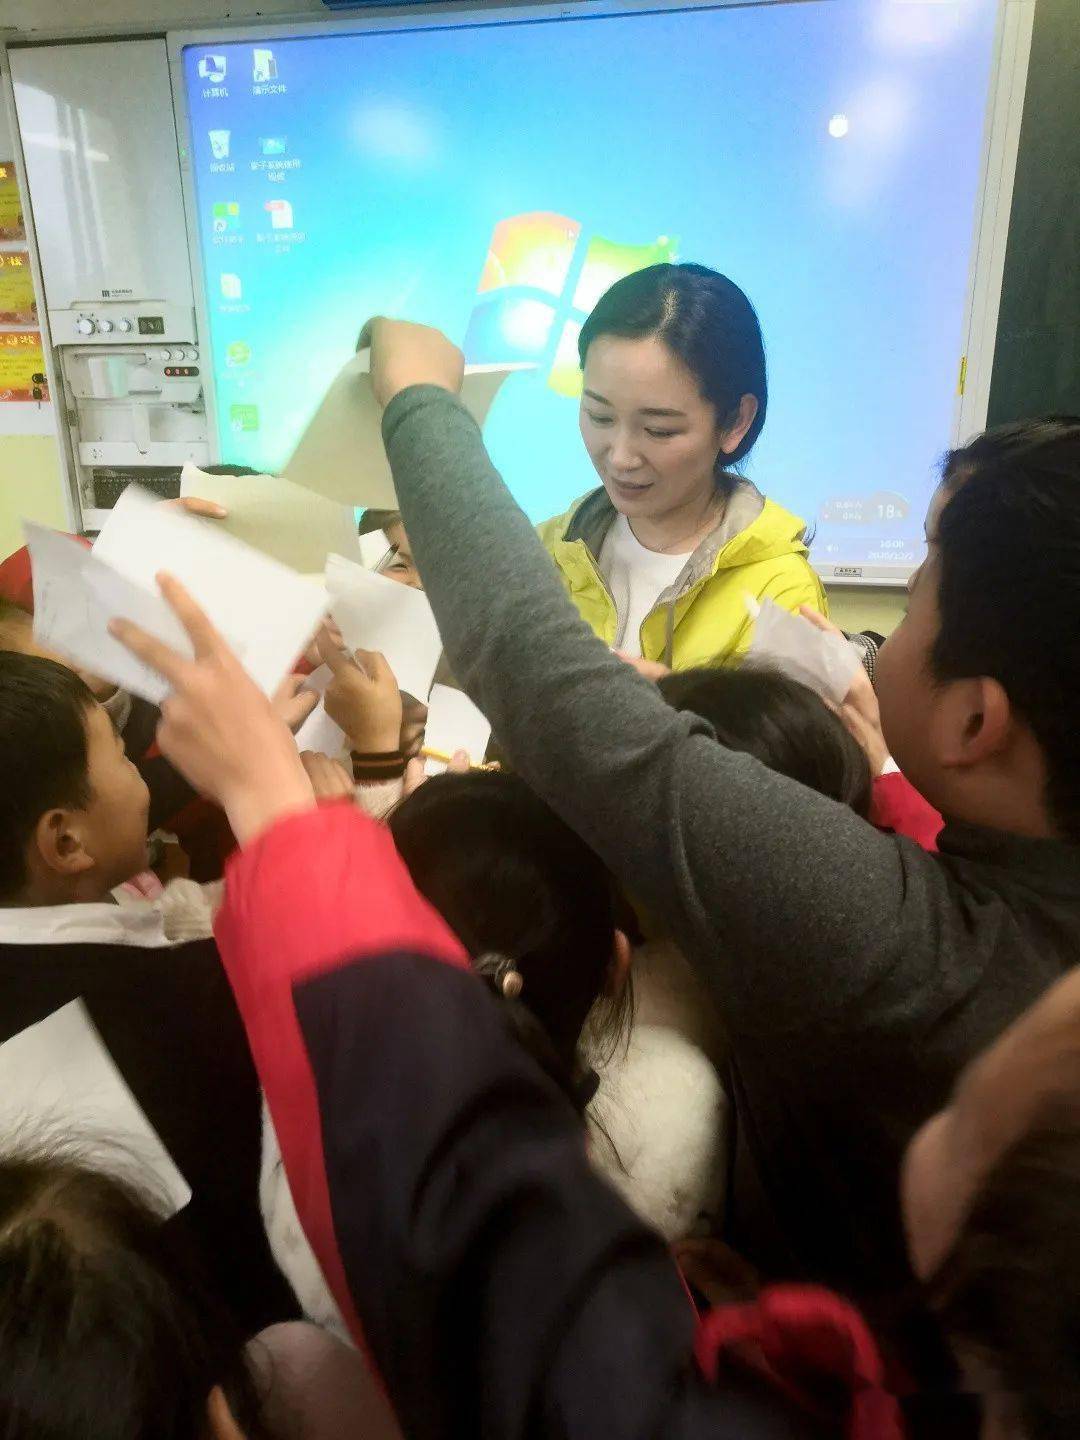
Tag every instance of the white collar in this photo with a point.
(101, 923)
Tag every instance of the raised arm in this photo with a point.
(734, 858)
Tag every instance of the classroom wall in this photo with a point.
(30, 487)
(866, 609)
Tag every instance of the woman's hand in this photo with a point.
(217, 727)
(404, 354)
(329, 779)
(648, 669)
(362, 698)
(859, 707)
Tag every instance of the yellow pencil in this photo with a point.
(445, 759)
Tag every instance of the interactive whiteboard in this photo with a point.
(492, 175)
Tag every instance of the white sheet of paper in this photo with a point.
(374, 613)
(57, 1079)
(374, 548)
(266, 611)
(454, 723)
(318, 732)
(75, 597)
(271, 514)
(825, 662)
(341, 455)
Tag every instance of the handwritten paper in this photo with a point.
(374, 613)
(75, 597)
(266, 612)
(341, 454)
(454, 723)
(295, 526)
(57, 1079)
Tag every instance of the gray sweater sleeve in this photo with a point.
(788, 903)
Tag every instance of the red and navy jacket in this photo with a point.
(897, 806)
(500, 1287)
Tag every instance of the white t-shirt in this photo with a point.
(636, 577)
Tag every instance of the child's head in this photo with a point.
(513, 881)
(674, 386)
(73, 808)
(991, 1198)
(779, 721)
(103, 1330)
(1002, 443)
(399, 564)
(978, 685)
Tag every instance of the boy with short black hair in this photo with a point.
(73, 825)
(73, 808)
(990, 637)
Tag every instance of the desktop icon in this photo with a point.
(212, 68)
(273, 145)
(243, 419)
(219, 144)
(231, 288)
(263, 66)
(226, 215)
(281, 217)
(238, 354)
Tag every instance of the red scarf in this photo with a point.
(805, 1341)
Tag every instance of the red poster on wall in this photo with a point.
(17, 303)
(21, 358)
(12, 225)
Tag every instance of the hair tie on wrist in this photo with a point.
(502, 974)
(388, 766)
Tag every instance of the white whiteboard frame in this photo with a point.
(993, 207)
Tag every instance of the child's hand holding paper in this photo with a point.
(266, 611)
(859, 707)
(217, 727)
(340, 456)
(374, 613)
(363, 699)
(818, 655)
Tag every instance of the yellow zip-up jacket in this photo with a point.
(701, 619)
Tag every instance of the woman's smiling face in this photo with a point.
(652, 436)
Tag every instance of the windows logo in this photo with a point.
(538, 285)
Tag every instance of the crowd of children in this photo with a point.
(711, 1068)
